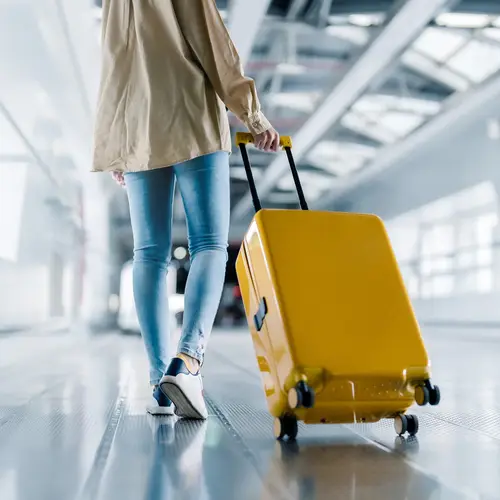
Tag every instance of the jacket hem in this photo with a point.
(120, 165)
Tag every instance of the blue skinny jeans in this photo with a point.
(204, 187)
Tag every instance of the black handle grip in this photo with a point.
(251, 181)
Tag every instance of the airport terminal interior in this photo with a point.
(393, 107)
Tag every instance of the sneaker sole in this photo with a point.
(160, 411)
(183, 406)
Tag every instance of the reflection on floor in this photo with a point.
(72, 426)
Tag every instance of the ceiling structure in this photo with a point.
(351, 80)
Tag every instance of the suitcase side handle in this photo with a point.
(244, 138)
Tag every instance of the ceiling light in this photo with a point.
(287, 68)
(439, 44)
(341, 158)
(366, 20)
(180, 253)
(493, 128)
(302, 101)
(353, 34)
(493, 33)
(462, 20)
(430, 68)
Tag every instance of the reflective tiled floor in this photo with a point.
(73, 426)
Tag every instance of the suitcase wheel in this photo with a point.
(422, 395)
(406, 424)
(301, 396)
(427, 394)
(435, 396)
(286, 426)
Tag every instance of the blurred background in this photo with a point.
(394, 107)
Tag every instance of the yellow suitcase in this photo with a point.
(333, 328)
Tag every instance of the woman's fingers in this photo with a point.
(267, 141)
(275, 143)
(119, 178)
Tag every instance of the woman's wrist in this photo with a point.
(257, 123)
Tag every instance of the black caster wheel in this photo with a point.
(412, 424)
(406, 424)
(435, 396)
(434, 393)
(295, 398)
(286, 426)
(401, 424)
(301, 396)
(422, 395)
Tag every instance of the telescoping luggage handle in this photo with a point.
(244, 138)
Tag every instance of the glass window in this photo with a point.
(404, 241)
(400, 123)
(484, 228)
(484, 256)
(442, 286)
(477, 60)
(441, 209)
(434, 70)
(484, 280)
(446, 247)
(340, 158)
(436, 266)
(12, 193)
(438, 240)
(466, 259)
(466, 233)
(364, 125)
(481, 195)
(439, 44)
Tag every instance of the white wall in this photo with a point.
(33, 288)
(448, 164)
(467, 309)
(25, 294)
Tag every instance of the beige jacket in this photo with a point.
(168, 70)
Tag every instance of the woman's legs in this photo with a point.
(204, 187)
(150, 195)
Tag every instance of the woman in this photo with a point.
(169, 71)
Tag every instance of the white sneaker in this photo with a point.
(160, 404)
(185, 390)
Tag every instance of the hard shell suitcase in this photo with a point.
(333, 328)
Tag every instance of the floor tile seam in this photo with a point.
(245, 448)
(91, 485)
(472, 495)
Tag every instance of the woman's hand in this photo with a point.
(268, 140)
(119, 178)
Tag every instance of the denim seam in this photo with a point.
(190, 352)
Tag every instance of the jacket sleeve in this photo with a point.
(208, 38)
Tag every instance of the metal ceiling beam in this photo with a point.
(459, 110)
(245, 19)
(401, 29)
